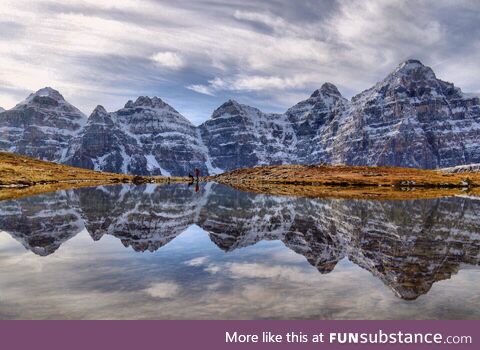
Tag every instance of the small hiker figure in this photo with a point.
(197, 188)
(197, 173)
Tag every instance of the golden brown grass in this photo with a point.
(351, 181)
(23, 176)
(18, 170)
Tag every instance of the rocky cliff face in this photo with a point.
(104, 145)
(239, 136)
(169, 142)
(41, 126)
(409, 119)
(310, 119)
(146, 137)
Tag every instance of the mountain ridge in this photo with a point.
(408, 119)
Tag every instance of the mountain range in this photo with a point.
(409, 119)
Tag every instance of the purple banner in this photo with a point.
(120, 335)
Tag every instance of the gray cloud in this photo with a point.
(269, 54)
(11, 30)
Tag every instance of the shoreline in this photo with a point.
(351, 182)
(22, 176)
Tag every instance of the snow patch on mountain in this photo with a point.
(469, 168)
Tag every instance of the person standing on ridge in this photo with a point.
(197, 173)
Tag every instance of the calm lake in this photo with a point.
(212, 252)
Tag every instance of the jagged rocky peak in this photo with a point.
(322, 100)
(311, 114)
(48, 92)
(99, 114)
(327, 89)
(154, 109)
(45, 97)
(148, 102)
(412, 71)
(2, 109)
(99, 110)
(231, 107)
(50, 101)
(412, 79)
(414, 66)
(41, 126)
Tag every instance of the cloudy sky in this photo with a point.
(195, 54)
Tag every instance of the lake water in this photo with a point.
(177, 252)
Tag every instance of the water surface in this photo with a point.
(176, 252)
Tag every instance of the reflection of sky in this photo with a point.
(190, 278)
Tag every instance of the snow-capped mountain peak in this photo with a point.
(158, 111)
(327, 89)
(146, 137)
(411, 70)
(51, 101)
(148, 102)
(50, 92)
(229, 108)
(99, 114)
(43, 97)
(100, 110)
(41, 126)
(410, 64)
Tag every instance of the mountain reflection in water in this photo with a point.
(408, 245)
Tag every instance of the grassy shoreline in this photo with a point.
(22, 176)
(358, 182)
